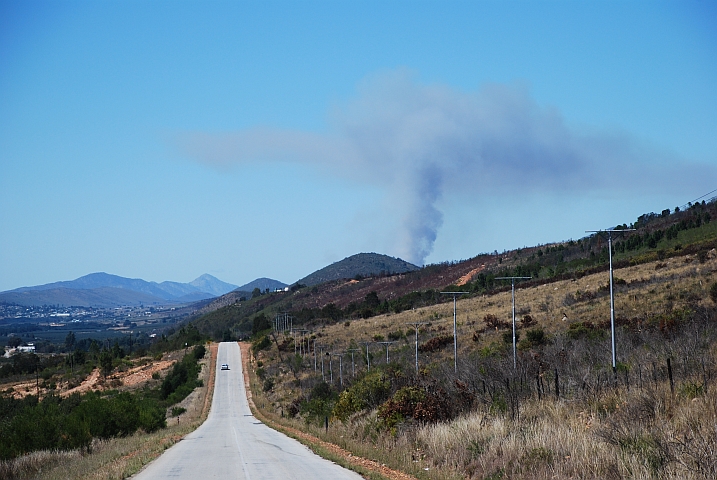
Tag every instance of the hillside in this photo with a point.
(262, 284)
(561, 411)
(543, 404)
(658, 236)
(359, 266)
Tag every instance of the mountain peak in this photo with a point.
(209, 284)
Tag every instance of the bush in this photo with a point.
(713, 292)
(536, 336)
(508, 337)
(320, 403)
(262, 344)
(268, 384)
(436, 343)
(177, 411)
(368, 392)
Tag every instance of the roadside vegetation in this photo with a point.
(62, 416)
(561, 413)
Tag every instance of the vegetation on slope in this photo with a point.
(561, 413)
(658, 237)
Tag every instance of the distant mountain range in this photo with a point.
(105, 290)
(359, 265)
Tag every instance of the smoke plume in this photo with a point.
(419, 141)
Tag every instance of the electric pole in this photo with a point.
(415, 325)
(387, 344)
(455, 334)
(612, 298)
(512, 296)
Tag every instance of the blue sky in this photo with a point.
(163, 140)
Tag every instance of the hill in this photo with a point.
(262, 284)
(359, 266)
(658, 237)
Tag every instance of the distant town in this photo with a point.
(138, 315)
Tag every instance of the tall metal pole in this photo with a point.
(512, 296)
(368, 359)
(455, 332)
(387, 345)
(612, 298)
(341, 369)
(612, 306)
(415, 325)
(353, 364)
(323, 376)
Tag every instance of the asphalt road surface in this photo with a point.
(232, 444)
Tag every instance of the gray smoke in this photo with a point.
(419, 141)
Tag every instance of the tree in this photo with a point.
(371, 300)
(256, 293)
(70, 341)
(14, 342)
(260, 324)
(106, 362)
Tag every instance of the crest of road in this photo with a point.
(231, 443)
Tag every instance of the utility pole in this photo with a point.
(368, 359)
(314, 355)
(612, 298)
(341, 368)
(301, 344)
(353, 365)
(386, 344)
(512, 296)
(415, 325)
(323, 377)
(455, 334)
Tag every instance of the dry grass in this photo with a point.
(602, 431)
(651, 289)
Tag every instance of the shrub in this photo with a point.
(713, 292)
(262, 344)
(493, 322)
(436, 343)
(268, 384)
(177, 411)
(368, 392)
(536, 336)
(320, 403)
(508, 337)
(397, 335)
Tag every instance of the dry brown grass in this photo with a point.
(602, 431)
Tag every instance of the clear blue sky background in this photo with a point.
(163, 140)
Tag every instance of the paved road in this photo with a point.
(231, 443)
